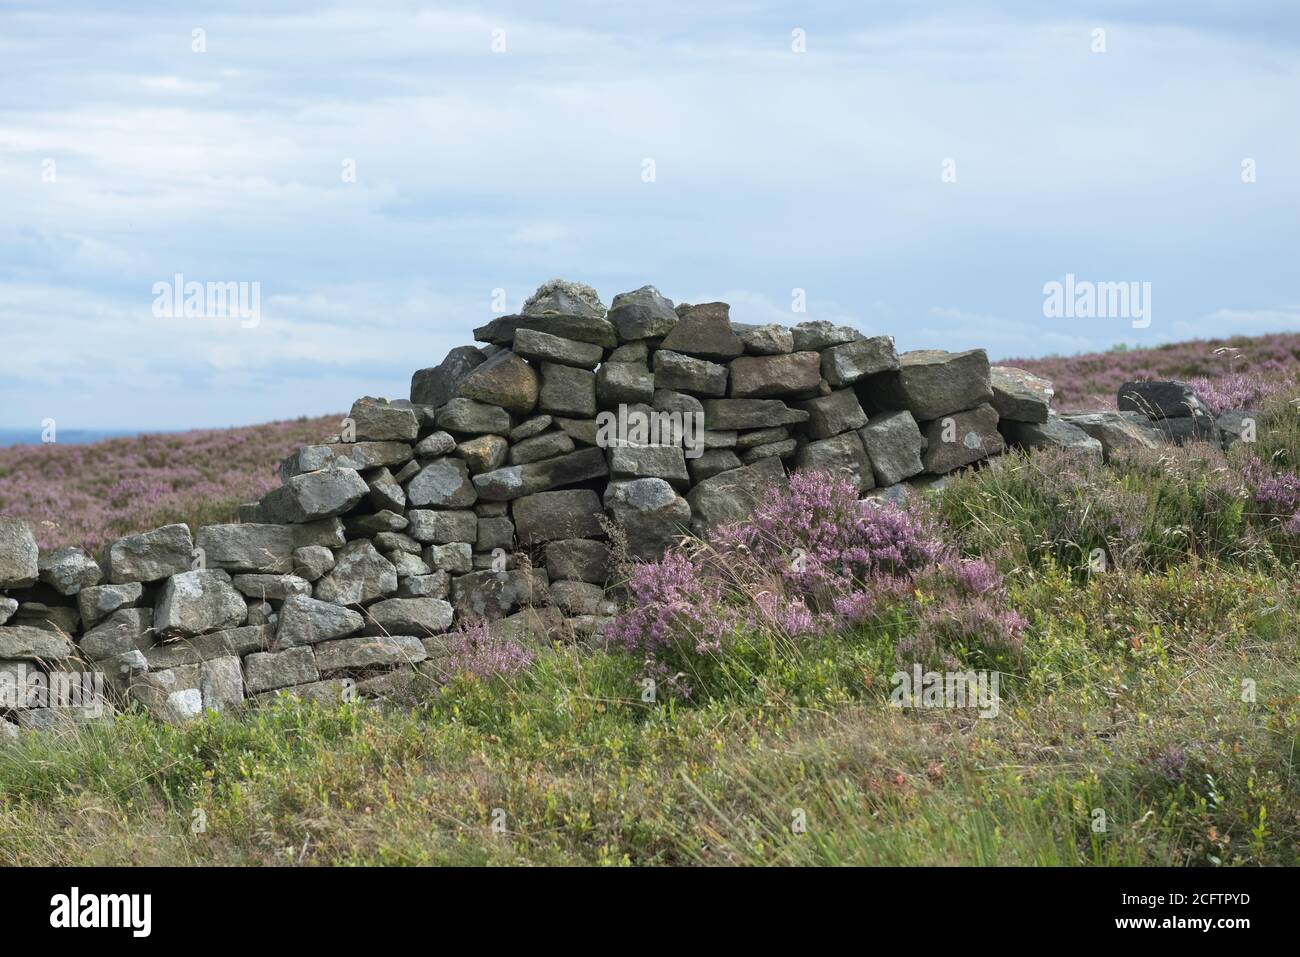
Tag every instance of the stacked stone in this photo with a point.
(493, 493)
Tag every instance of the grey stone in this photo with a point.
(544, 347)
(377, 420)
(577, 559)
(269, 670)
(562, 297)
(437, 444)
(305, 621)
(651, 513)
(503, 380)
(29, 643)
(650, 461)
(841, 455)
(936, 383)
(794, 374)
(546, 516)
(436, 386)
(385, 491)
(731, 496)
(473, 418)
(314, 495)
(515, 481)
(530, 625)
(149, 556)
(483, 453)
(310, 562)
(720, 440)
(125, 630)
(674, 370)
(1160, 399)
(819, 334)
(19, 556)
(271, 587)
(443, 527)
(728, 414)
(540, 447)
(408, 566)
(624, 382)
(833, 414)
(567, 391)
(849, 362)
(893, 443)
(598, 331)
(705, 332)
(221, 683)
(68, 570)
(642, 314)
(360, 576)
(770, 339)
(454, 557)
(631, 352)
(408, 616)
(582, 431)
(961, 438)
(495, 533)
(1116, 430)
(1194, 428)
(254, 548)
(1055, 433)
(493, 595)
(434, 585)
(358, 456)
(369, 652)
(364, 526)
(581, 598)
(1236, 426)
(530, 427)
(1019, 395)
(7, 608)
(781, 450)
(99, 601)
(712, 462)
(755, 437)
(191, 603)
(443, 483)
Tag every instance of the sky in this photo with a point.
(386, 175)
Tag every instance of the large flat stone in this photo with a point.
(936, 383)
(794, 374)
(515, 481)
(961, 439)
(1019, 395)
(721, 415)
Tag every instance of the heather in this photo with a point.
(89, 494)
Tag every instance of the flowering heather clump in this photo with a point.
(1239, 391)
(474, 650)
(89, 494)
(1278, 493)
(672, 601)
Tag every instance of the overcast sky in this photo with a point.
(127, 157)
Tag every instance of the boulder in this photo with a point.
(385, 491)
(630, 352)
(268, 670)
(728, 414)
(577, 559)
(434, 585)
(30, 643)
(19, 556)
(562, 297)
(624, 382)
(443, 483)
(150, 556)
(493, 595)
(271, 587)
(437, 386)
(961, 438)
(732, 495)
(503, 380)
(649, 461)
(483, 453)
(534, 425)
(1160, 399)
(544, 347)
(358, 456)
(369, 652)
(567, 391)
(97, 602)
(819, 334)
(473, 418)
(310, 562)
(849, 362)
(360, 576)
(541, 447)
(770, 339)
(841, 455)
(221, 683)
(673, 370)
(442, 527)
(642, 314)
(1055, 433)
(1115, 430)
(893, 443)
(936, 383)
(651, 513)
(314, 495)
(582, 431)
(705, 332)
(793, 374)
(832, 414)
(515, 481)
(598, 331)
(408, 616)
(68, 570)
(1236, 426)
(366, 526)
(1019, 395)
(454, 557)
(495, 533)
(378, 420)
(193, 602)
(247, 548)
(546, 516)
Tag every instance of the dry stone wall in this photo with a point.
(490, 493)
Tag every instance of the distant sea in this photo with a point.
(65, 436)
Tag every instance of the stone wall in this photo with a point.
(491, 493)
